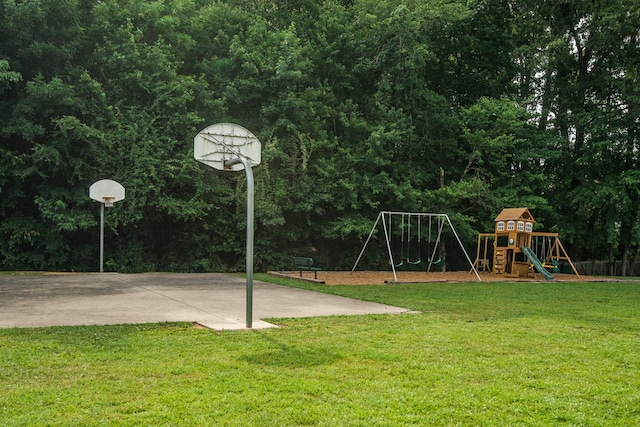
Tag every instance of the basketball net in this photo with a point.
(108, 201)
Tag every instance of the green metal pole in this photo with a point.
(250, 221)
(101, 237)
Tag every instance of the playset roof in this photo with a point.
(513, 214)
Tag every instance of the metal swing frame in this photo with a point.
(382, 217)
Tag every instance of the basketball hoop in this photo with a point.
(108, 201)
(106, 192)
(220, 144)
(227, 146)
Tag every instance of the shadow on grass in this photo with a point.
(285, 355)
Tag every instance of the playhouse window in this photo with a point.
(529, 227)
(500, 226)
(520, 225)
(511, 225)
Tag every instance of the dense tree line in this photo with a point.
(457, 107)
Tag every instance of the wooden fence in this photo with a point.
(602, 268)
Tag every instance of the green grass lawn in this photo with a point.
(478, 354)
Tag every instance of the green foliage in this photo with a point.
(7, 76)
(441, 106)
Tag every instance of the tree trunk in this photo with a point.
(612, 262)
(626, 241)
(634, 261)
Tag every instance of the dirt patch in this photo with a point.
(383, 277)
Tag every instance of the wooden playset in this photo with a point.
(518, 251)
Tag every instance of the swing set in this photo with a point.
(405, 231)
(406, 221)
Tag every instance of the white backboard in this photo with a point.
(106, 191)
(226, 141)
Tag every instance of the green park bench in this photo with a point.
(305, 264)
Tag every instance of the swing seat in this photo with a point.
(414, 262)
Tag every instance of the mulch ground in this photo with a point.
(383, 277)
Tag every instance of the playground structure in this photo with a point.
(413, 224)
(518, 250)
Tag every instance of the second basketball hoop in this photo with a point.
(107, 192)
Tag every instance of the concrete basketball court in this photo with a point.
(213, 300)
